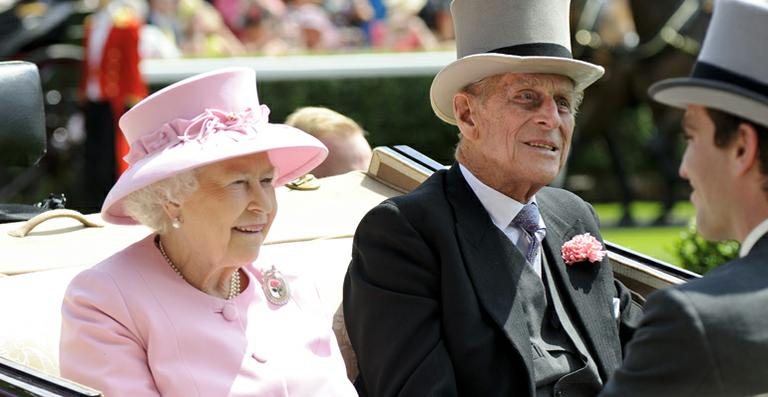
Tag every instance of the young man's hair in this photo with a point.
(321, 122)
(727, 124)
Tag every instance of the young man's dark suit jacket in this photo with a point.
(708, 337)
(430, 300)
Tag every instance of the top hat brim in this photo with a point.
(473, 68)
(683, 91)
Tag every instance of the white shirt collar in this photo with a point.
(500, 207)
(752, 238)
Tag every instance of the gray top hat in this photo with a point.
(731, 72)
(501, 36)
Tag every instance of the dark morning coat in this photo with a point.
(430, 300)
(708, 337)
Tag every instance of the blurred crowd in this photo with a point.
(208, 28)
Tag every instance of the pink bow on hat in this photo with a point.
(242, 125)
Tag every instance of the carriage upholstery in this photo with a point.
(311, 236)
(22, 132)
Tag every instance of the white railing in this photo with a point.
(304, 67)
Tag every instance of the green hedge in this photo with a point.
(393, 111)
(699, 255)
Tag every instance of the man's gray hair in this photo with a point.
(147, 204)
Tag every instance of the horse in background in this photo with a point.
(639, 42)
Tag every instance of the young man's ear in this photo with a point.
(463, 111)
(746, 148)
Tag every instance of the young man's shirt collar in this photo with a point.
(752, 238)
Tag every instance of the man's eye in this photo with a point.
(266, 181)
(564, 105)
(526, 96)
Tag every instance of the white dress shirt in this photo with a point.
(503, 210)
(752, 238)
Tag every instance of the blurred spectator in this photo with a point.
(162, 35)
(404, 30)
(205, 33)
(350, 16)
(261, 31)
(348, 150)
(437, 15)
(236, 13)
(110, 83)
(164, 15)
(312, 25)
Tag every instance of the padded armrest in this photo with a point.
(22, 115)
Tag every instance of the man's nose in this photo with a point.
(548, 115)
(682, 170)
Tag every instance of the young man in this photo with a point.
(710, 337)
(461, 287)
(348, 150)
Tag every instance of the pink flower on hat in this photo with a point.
(581, 248)
(238, 126)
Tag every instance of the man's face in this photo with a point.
(704, 166)
(524, 125)
(345, 153)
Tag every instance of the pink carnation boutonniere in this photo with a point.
(582, 247)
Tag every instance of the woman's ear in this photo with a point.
(745, 148)
(463, 111)
(172, 209)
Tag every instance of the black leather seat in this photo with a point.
(22, 127)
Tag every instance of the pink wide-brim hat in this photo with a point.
(201, 120)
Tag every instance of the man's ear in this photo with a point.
(745, 148)
(464, 111)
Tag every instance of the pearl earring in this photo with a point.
(176, 223)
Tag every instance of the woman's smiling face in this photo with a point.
(228, 217)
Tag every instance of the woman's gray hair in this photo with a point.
(146, 205)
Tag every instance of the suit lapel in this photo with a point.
(587, 299)
(494, 265)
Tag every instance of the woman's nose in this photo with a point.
(260, 200)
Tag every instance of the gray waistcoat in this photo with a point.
(562, 365)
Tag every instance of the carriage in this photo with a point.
(317, 219)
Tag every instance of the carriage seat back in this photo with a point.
(22, 115)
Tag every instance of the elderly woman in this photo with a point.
(189, 310)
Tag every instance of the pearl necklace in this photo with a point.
(234, 282)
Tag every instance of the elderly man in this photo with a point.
(483, 281)
(710, 337)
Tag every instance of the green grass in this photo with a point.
(657, 242)
(643, 212)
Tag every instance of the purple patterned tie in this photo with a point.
(528, 220)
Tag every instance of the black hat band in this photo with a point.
(707, 71)
(535, 49)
